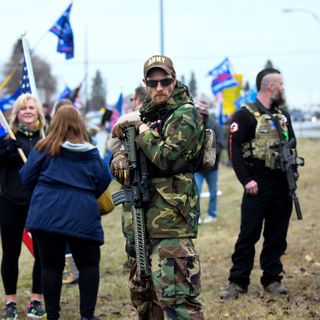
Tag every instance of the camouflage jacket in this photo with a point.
(172, 144)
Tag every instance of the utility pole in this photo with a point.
(161, 29)
(86, 65)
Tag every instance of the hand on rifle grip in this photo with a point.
(118, 130)
(120, 168)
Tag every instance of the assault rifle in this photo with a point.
(288, 162)
(138, 195)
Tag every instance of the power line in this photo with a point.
(311, 13)
(190, 58)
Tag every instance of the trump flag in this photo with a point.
(222, 77)
(62, 29)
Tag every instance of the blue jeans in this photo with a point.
(211, 178)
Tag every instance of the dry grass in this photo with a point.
(215, 244)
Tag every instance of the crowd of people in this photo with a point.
(53, 194)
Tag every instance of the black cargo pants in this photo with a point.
(270, 210)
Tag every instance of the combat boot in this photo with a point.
(276, 288)
(232, 292)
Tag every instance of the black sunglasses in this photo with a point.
(164, 82)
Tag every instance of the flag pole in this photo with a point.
(86, 65)
(27, 59)
(40, 39)
(25, 236)
(26, 53)
(8, 77)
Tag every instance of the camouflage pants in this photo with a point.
(174, 287)
(143, 295)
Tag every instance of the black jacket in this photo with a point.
(10, 164)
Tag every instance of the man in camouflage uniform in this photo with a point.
(171, 135)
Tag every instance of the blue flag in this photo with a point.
(62, 29)
(119, 104)
(7, 102)
(65, 94)
(250, 96)
(3, 131)
(222, 77)
(117, 111)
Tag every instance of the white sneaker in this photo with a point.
(200, 220)
(209, 219)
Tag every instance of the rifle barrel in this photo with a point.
(297, 207)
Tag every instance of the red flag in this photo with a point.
(27, 239)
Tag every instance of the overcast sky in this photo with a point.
(199, 34)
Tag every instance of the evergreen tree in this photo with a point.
(98, 92)
(269, 64)
(193, 85)
(246, 87)
(44, 79)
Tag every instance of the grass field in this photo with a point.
(215, 245)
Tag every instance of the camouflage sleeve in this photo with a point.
(114, 145)
(179, 144)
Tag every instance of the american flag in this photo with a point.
(6, 103)
(25, 82)
(25, 87)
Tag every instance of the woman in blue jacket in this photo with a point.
(68, 175)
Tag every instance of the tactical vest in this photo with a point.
(265, 145)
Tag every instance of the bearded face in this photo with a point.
(160, 86)
(278, 99)
(277, 95)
